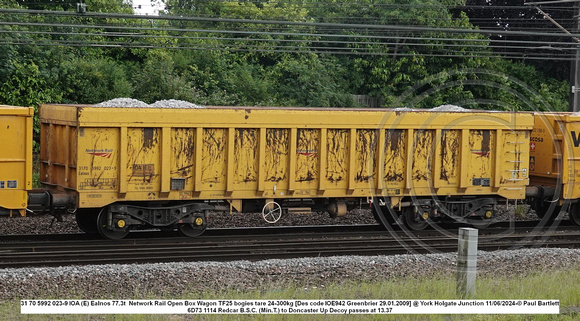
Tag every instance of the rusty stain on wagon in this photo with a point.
(395, 149)
(307, 155)
(450, 144)
(366, 144)
(246, 155)
(183, 144)
(337, 160)
(276, 154)
(214, 155)
(422, 153)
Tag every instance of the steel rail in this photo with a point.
(248, 247)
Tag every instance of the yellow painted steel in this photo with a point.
(15, 158)
(237, 153)
(555, 153)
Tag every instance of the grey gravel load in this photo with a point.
(449, 108)
(438, 108)
(172, 103)
(123, 102)
(134, 103)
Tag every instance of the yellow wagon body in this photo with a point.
(555, 153)
(15, 158)
(107, 155)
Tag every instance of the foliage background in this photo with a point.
(233, 63)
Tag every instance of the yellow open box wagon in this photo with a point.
(169, 167)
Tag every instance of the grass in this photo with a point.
(520, 211)
(36, 180)
(559, 285)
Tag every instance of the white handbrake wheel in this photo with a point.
(272, 212)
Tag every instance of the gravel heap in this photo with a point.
(449, 108)
(172, 103)
(159, 280)
(134, 103)
(123, 102)
(438, 108)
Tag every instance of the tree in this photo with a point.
(513, 15)
(309, 83)
(93, 80)
(25, 86)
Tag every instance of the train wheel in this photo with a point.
(272, 212)
(548, 212)
(480, 222)
(194, 229)
(118, 233)
(574, 213)
(384, 215)
(415, 220)
(87, 220)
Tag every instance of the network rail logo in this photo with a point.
(437, 193)
(105, 153)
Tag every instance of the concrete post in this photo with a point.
(466, 263)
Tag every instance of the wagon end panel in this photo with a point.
(555, 153)
(571, 158)
(59, 147)
(15, 159)
(546, 149)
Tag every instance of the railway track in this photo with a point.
(219, 245)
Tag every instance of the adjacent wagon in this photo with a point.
(15, 159)
(555, 165)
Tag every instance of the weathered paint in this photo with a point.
(143, 164)
(366, 144)
(396, 157)
(481, 144)
(183, 149)
(307, 151)
(246, 157)
(277, 155)
(214, 158)
(423, 151)
(245, 153)
(450, 147)
(337, 159)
